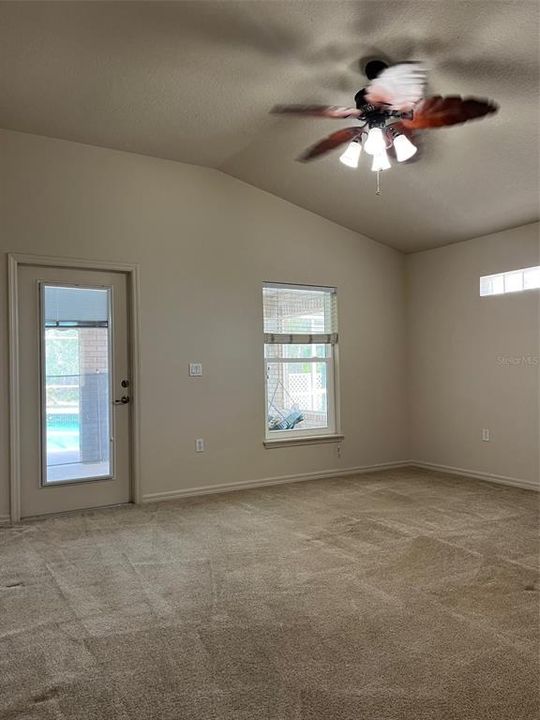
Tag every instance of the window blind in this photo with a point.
(299, 316)
(75, 306)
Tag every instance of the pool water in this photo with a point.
(62, 432)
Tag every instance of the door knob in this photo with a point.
(123, 400)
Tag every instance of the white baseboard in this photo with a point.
(280, 480)
(477, 475)
(329, 474)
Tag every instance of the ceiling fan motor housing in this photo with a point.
(374, 115)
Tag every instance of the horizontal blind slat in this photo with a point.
(299, 311)
(75, 304)
(300, 339)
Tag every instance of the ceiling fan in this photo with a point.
(390, 109)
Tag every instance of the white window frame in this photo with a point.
(503, 277)
(332, 432)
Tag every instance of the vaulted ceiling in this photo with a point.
(194, 81)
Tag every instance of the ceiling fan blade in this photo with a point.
(331, 142)
(325, 111)
(400, 86)
(438, 111)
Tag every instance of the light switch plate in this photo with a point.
(195, 369)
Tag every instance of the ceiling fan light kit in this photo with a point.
(404, 148)
(375, 142)
(391, 109)
(380, 162)
(351, 155)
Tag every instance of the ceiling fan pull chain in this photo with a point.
(378, 191)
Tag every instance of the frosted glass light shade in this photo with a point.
(351, 155)
(404, 148)
(375, 142)
(381, 161)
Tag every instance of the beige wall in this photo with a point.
(205, 243)
(474, 362)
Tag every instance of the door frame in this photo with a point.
(131, 270)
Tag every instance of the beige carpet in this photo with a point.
(392, 596)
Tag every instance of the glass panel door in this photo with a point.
(76, 381)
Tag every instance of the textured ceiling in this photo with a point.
(193, 81)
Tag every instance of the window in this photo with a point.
(75, 383)
(300, 337)
(512, 281)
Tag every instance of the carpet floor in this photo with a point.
(399, 595)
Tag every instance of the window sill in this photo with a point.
(308, 440)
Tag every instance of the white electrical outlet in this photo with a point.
(486, 435)
(195, 369)
(199, 445)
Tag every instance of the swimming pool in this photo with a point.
(63, 432)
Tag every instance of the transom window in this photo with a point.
(300, 337)
(511, 281)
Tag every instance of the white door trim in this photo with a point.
(132, 271)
